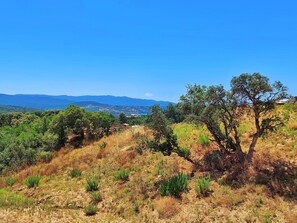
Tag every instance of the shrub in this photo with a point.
(32, 181)
(92, 185)
(102, 145)
(96, 197)
(202, 186)
(122, 175)
(90, 210)
(203, 140)
(10, 181)
(183, 152)
(45, 156)
(75, 173)
(175, 185)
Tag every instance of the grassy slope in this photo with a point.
(60, 198)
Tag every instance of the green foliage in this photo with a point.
(174, 114)
(92, 185)
(122, 175)
(32, 181)
(203, 140)
(123, 118)
(12, 199)
(75, 173)
(45, 156)
(10, 181)
(96, 197)
(26, 138)
(221, 110)
(183, 152)
(90, 210)
(202, 186)
(175, 185)
(102, 145)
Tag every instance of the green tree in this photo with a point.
(123, 118)
(173, 113)
(221, 110)
(164, 139)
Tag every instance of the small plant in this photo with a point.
(90, 210)
(75, 173)
(122, 175)
(102, 145)
(32, 181)
(175, 185)
(92, 185)
(96, 197)
(202, 186)
(10, 181)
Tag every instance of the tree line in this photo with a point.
(26, 138)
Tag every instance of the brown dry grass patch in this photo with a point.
(167, 207)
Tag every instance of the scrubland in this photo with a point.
(129, 177)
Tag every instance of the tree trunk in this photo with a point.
(252, 148)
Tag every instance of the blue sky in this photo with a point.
(143, 49)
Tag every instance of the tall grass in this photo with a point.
(175, 185)
(202, 186)
(12, 199)
(32, 181)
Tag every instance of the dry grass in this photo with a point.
(167, 207)
(62, 198)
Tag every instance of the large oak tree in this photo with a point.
(222, 110)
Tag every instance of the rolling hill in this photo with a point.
(111, 104)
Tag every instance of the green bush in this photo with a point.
(45, 156)
(202, 186)
(10, 181)
(203, 140)
(102, 145)
(96, 197)
(175, 185)
(90, 210)
(184, 152)
(122, 175)
(75, 173)
(92, 185)
(32, 181)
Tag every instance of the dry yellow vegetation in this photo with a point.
(262, 197)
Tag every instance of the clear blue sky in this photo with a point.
(143, 48)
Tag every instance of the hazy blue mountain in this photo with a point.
(90, 102)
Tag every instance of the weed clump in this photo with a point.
(75, 173)
(90, 210)
(32, 181)
(10, 181)
(202, 186)
(92, 185)
(122, 175)
(175, 185)
(96, 197)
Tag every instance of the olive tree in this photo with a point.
(221, 110)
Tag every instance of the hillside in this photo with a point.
(266, 193)
(7, 109)
(113, 109)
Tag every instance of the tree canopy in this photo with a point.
(221, 110)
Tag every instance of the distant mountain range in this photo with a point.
(111, 104)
